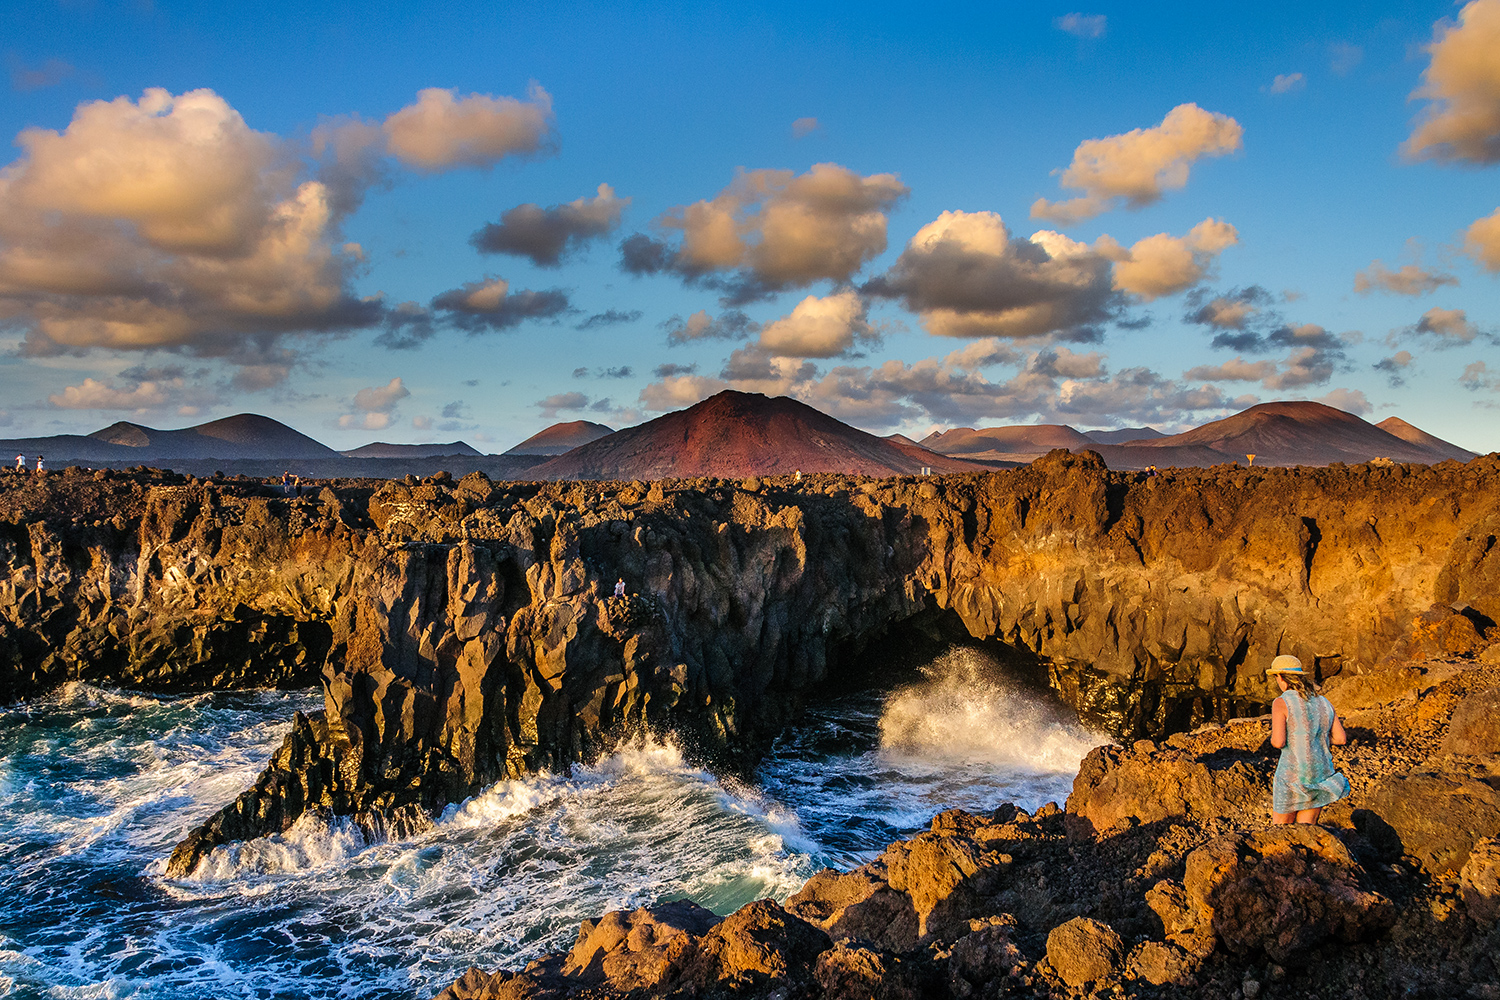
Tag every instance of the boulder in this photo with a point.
(1439, 632)
(642, 949)
(1084, 950)
(1118, 787)
(860, 905)
(849, 971)
(983, 955)
(1283, 891)
(1162, 963)
(1474, 729)
(1439, 813)
(757, 943)
(1480, 881)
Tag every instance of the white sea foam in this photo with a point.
(102, 784)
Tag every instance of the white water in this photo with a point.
(95, 787)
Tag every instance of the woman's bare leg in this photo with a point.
(1283, 819)
(1309, 816)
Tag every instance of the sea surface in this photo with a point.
(96, 786)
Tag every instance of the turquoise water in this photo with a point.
(96, 787)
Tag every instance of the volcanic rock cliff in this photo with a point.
(463, 631)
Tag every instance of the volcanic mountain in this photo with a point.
(380, 449)
(1017, 443)
(560, 438)
(1280, 433)
(1417, 436)
(1124, 435)
(739, 434)
(244, 435)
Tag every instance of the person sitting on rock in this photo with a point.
(1303, 726)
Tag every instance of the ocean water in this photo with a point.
(96, 786)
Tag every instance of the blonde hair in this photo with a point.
(1300, 683)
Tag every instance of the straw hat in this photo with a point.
(1285, 664)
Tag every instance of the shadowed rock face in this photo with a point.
(463, 630)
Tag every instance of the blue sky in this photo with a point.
(128, 290)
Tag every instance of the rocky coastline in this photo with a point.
(463, 631)
(1160, 878)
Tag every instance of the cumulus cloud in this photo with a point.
(1393, 366)
(1138, 167)
(1408, 279)
(1348, 400)
(1450, 327)
(167, 223)
(1482, 241)
(1344, 56)
(820, 327)
(610, 317)
(374, 405)
(558, 402)
(1238, 370)
(1286, 83)
(1082, 25)
(804, 127)
(96, 395)
(1304, 366)
(28, 78)
(1234, 310)
(1461, 122)
(1054, 385)
(1164, 264)
(670, 370)
(489, 304)
(771, 230)
(546, 235)
(965, 275)
(1477, 377)
(443, 130)
(729, 325)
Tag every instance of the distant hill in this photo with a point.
(1018, 443)
(739, 434)
(1414, 435)
(1280, 433)
(243, 436)
(1124, 435)
(560, 438)
(379, 449)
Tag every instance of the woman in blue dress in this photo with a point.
(1304, 726)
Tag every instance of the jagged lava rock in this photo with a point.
(1084, 950)
(1480, 881)
(1282, 891)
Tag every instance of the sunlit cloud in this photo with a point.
(1461, 122)
(1138, 167)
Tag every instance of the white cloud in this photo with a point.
(1348, 400)
(1082, 25)
(1408, 279)
(168, 223)
(442, 130)
(967, 276)
(1304, 366)
(700, 326)
(1138, 167)
(774, 229)
(1165, 265)
(1451, 327)
(558, 402)
(1462, 82)
(1286, 83)
(804, 127)
(1482, 241)
(1238, 370)
(381, 398)
(95, 395)
(819, 328)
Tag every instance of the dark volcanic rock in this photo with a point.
(463, 631)
(1440, 811)
(1084, 951)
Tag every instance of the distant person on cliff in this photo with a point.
(1303, 726)
(20, 463)
(620, 587)
(40, 466)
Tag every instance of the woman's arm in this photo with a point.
(1337, 732)
(1278, 723)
